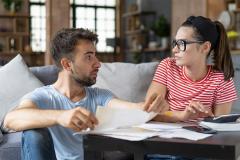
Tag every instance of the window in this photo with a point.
(38, 25)
(98, 16)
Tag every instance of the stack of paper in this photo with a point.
(131, 133)
(130, 124)
(173, 130)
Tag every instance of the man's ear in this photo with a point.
(66, 64)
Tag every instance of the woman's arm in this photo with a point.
(194, 110)
(221, 109)
(156, 97)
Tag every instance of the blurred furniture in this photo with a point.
(223, 145)
(15, 38)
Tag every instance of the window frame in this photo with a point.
(30, 22)
(74, 6)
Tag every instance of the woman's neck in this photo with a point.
(196, 72)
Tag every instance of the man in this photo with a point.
(67, 105)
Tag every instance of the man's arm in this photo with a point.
(124, 104)
(29, 116)
(154, 100)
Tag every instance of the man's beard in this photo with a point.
(85, 81)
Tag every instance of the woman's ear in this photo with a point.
(206, 47)
(66, 64)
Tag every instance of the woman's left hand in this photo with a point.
(196, 109)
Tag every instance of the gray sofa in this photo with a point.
(112, 76)
(10, 147)
(127, 81)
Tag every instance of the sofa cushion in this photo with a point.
(15, 81)
(46, 74)
(127, 81)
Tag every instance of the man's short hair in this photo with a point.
(65, 41)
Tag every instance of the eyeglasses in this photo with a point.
(181, 43)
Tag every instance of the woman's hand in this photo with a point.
(155, 103)
(195, 110)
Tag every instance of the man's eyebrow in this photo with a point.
(89, 52)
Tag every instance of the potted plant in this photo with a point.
(12, 5)
(161, 28)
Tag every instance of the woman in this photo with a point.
(185, 85)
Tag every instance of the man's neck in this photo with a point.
(69, 88)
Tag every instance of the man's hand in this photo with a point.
(196, 110)
(77, 119)
(155, 103)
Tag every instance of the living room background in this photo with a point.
(130, 30)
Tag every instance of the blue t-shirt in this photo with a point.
(66, 145)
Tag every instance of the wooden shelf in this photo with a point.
(149, 50)
(158, 49)
(14, 16)
(138, 13)
(237, 51)
(9, 54)
(138, 31)
(237, 10)
(32, 59)
(12, 34)
(15, 39)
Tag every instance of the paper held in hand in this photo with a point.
(112, 118)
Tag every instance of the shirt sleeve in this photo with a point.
(226, 92)
(38, 97)
(103, 96)
(160, 75)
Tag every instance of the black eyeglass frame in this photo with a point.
(184, 42)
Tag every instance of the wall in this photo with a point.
(185, 8)
(236, 64)
(57, 17)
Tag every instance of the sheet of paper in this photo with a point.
(161, 126)
(183, 133)
(112, 118)
(131, 134)
(221, 126)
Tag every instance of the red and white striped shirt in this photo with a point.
(211, 90)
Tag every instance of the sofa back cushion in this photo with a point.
(15, 81)
(46, 74)
(126, 80)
